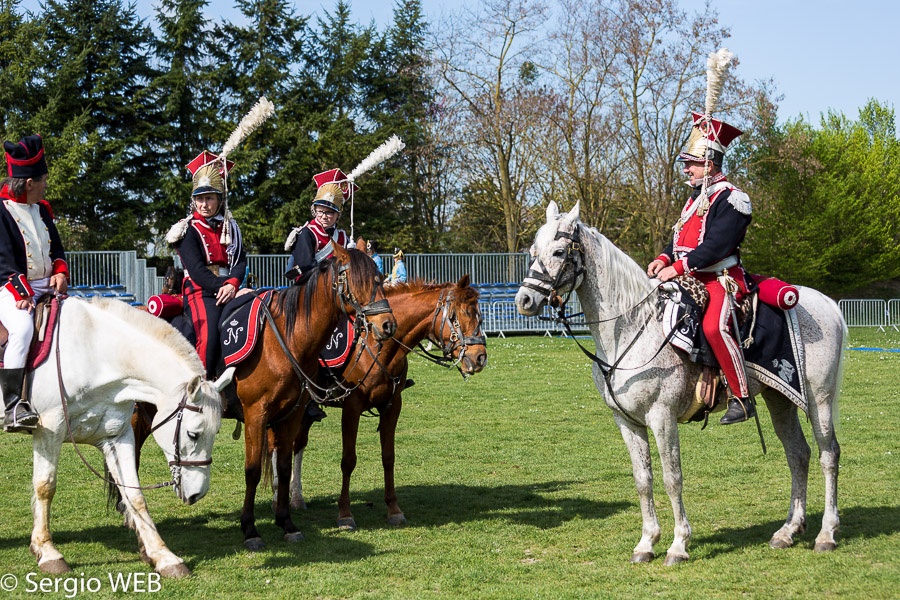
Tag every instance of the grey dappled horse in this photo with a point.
(649, 390)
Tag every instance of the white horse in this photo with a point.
(646, 390)
(106, 357)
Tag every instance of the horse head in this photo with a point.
(360, 289)
(460, 330)
(186, 431)
(557, 262)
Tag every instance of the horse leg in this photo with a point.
(284, 434)
(787, 428)
(254, 438)
(388, 429)
(297, 501)
(639, 449)
(349, 432)
(821, 417)
(46, 456)
(120, 462)
(665, 430)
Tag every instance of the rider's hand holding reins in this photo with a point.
(59, 283)
(225, 294)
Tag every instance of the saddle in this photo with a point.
(45, 314)
(769, 337)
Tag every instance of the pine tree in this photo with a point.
(92, 90)
(259, 60)
(184, 101)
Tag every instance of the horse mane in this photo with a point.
(362, 270)
(630, 286)
(153, 326)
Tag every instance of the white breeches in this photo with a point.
(19, 323)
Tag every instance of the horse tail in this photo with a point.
(267, 473)
(113, 496)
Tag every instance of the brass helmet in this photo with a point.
(333, 189)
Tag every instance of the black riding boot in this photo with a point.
(739, 410)
(314, 412)
(19, 415)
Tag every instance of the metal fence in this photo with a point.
(124, 275)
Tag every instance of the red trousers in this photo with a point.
(717, 322)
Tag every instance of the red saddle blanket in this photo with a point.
(45, 315)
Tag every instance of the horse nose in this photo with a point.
(481, 360)
(190, 500)
(388, 327)
(523, 302)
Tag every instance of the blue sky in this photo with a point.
(821, 53)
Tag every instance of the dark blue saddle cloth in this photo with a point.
(773, 351)
(239, 326)
(239, 331)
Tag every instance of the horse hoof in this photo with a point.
(293, 537)
(825, 547)
(674, 559)
(397, 520)
(55, 567)
(641, 557)
(254, 544)
(780, 543)
(176, 571)
(298, 504)
(347, 524)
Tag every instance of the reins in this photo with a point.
(360, 325)
(574, 255)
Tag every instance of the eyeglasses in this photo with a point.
(325, 213)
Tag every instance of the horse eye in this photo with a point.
(193, 436)
(559, 253)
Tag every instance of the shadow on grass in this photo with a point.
(216, 534)
(437, 505)
(857, 522)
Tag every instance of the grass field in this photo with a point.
(516, 484)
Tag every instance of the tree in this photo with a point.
(183, 96)
(91, 88)
(483, 59)
(255, 60)
(826, 201)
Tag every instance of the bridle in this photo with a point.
(549, 286)
(177, 413)
(457, 338)
(361, 327)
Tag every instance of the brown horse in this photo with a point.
(271, 381)
(448, 316)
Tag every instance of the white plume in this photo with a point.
(378, 156)
(177, 231)
(262, 110)
(716, 66)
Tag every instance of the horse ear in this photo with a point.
(552, 211)
(194, 385)
(463, 281)
(361, 245)
(224, 379)
(572, 216)
(341, 254)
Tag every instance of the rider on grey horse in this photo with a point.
(706, 245)
(32, 264)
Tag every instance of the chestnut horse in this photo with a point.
(448, 316)
(271, 381)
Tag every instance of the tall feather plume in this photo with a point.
(380, 154)
(262, 110)
(716, 67)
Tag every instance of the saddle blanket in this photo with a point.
(46, 314)
(239, 331)
(239, 326)
(773, 349)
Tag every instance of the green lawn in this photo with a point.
(516, 484)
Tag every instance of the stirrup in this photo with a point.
(739, 410)
(20, 417)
